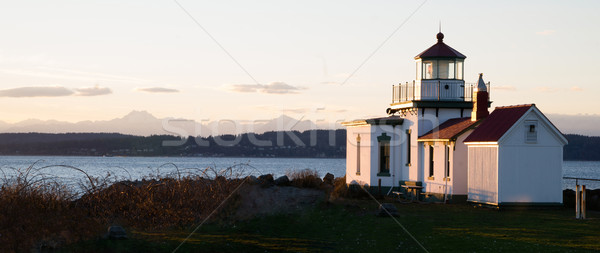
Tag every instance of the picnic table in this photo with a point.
(413, 191)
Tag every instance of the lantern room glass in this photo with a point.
(441, 69)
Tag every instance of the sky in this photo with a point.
(248, 60)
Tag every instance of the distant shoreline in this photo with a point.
(327, 144)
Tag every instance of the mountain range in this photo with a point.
(142, 123)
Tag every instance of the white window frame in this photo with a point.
(531, 136)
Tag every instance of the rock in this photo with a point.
(282, 181)
(252, 180)
(266, 180)
(116, 233)
(328, 179)
(391, 209)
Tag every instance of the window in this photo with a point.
(384, 155)
(447, 169)
(408, 131)
(358, 155)
(442, 69)
(531, 131)
(428, 71)
(459, 70)
(446, 69)
(431, 162)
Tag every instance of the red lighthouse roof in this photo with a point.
(440, 50)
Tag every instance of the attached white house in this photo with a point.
(515, 157)
(426, 141)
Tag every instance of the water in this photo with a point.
(582, 169)
(132, 168)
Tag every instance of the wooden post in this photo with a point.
(379, 186)
(577, 204)
(583, 201)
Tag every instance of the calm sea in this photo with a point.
(132, 168)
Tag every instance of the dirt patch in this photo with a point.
(256, 200)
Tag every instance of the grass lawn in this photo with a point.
(351, 226)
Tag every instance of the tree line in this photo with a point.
(312, 143)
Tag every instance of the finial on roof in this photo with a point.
(440, 35)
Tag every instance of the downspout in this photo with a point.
(446, 163)
(393, 169)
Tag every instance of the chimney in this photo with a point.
(480, 100)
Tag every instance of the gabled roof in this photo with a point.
(449, 130)
(440, 50)
(391, 120)
(498, 123)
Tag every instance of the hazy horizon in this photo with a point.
(144, 123)
(322, 61)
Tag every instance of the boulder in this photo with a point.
(282, 181)
(391, 209)
(116, 233)
(266, 180)
(252, 180)
(328, 178)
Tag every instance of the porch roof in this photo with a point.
(449, 130)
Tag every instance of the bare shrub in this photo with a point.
(306, 178)
(343, 190)
(37, 209)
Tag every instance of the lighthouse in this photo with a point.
(440, 143)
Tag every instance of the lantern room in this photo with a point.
(440, 61)
(439, 79)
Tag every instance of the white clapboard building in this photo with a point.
(440, 143)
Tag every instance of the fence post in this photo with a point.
(414, 92)
(583, 201)
(577, 204)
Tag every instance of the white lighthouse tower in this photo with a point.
(438, 94)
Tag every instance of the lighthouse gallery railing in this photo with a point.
(434, 90)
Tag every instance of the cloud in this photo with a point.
(330, 83)
(36, 91)
(545, 32)
(504, 88)
(53, 91)
(576, 88)
(272, 88)
(546, 89)
(93, 91)
(279, 88)
(157, 90)
(296, 110)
